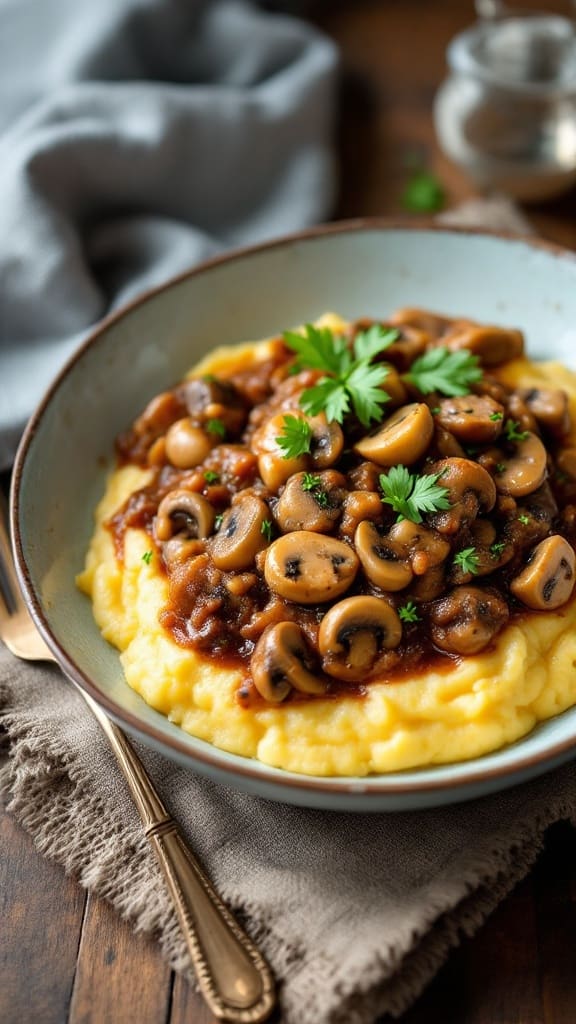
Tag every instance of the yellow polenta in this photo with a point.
(483, 703)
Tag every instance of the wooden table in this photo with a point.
(66, 956)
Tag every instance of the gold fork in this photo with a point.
(233, 976)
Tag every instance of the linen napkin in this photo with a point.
(138, 137)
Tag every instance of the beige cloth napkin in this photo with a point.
(355, 912)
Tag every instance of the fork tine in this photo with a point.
(9, 588)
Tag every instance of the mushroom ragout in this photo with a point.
(358, 506)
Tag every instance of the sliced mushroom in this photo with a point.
(383, 566)
(473, 419)
(273, 466)
(402, 438)
(566, 462)
(423, 548)
(183, 512)
(354, 633)
(492, 345)
(187, 445)
(401, 353)
(432, 323)
(467, 619)
(210, 398)
(471, 490)
(359, 505)
(282, 659)
(526, 470)
(550, 407)
(317, 508)
(309, 568)
(548, 579)
(327, 441)
(446, 445)
(240, 536)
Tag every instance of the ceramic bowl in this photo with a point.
(355, 269)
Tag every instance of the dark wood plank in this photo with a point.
(121, 976)
(188, 1007)
(555, 893)
(41, 918)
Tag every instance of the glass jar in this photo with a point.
(507, 112)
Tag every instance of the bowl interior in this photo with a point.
(355, 271)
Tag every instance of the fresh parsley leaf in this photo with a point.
(495, 416)
(218, 521)
(440, 369)
(497, 548)
(310, 481)
(423, 193)
(329, 396)
(319, 349)
(216, 426)
(313, 484)
(351, 378)
(410, 494)
(266, 529)
(295, 437)
(467, 560)
(147, 557)
(499, 467)
(376, 339)
(212, 477)
(409, 612)
(524, 519)
(512, 431)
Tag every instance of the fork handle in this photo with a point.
(232, 973)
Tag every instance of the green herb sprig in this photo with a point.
(409, 612)
(351, 381)
(410, 494)
(216, 426)
(513, 433)
(468, 561)
(295, 438)
(440, 369)
(147, 557)
(266, 529)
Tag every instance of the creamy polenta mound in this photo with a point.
(341, 575)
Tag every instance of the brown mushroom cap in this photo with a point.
(385, 567)
(566, 462)
(525, 470)
(282, 659)
(186, 445)
(309, 568)
(550, 407)
(240, 536)
(548, 579)
(423, 548)
(471, 490)
(492, 345)
(183, 512)
(473, 419)
(273, 467)
(354, 633)
(327, 441)
(317, 509)
(401, 439)
(467, 619)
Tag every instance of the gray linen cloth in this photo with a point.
(138, 137)
(354, 912)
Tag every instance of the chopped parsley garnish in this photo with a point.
(218, 521)
(467, 560)
(351, 381)
(439, 369)
(211, 477)
(499, 467)
(524, 519)
(147, 557)
(410, 494)
(216, 427)
(497, 548)
(313, 484)
(513, 433)
(495, 416)
(423, 193)
(295, 438)
(409, 612)
(266, 529)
